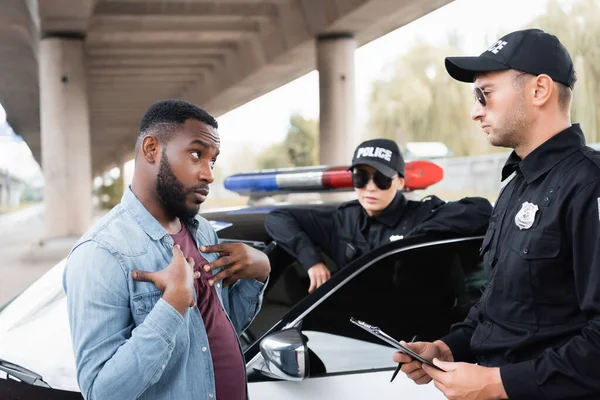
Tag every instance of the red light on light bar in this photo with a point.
(337, 178)
(421, 174)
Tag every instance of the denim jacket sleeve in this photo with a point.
(112, 355)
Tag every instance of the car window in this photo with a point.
(415, 292)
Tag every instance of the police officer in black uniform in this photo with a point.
(380, 215)
(535, 333)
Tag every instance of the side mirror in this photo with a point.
(285, 355)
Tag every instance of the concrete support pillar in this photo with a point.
(65, 125)
(335, 63)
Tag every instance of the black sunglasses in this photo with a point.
(360, 179)
(480, 93)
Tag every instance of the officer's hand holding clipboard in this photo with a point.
(374, 330)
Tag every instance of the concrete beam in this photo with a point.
(64, 16)
(174, 8)
(167, 38)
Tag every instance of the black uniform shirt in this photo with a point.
(347, 232)
(539, 316)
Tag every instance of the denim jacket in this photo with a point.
(128, 342)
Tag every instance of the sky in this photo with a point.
(477, 22)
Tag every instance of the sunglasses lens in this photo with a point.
(479, 96)
(360, 178)
(382, 181)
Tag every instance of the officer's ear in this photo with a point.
(400, 182)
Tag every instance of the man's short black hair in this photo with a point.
(164, 117)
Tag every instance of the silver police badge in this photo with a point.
(526, 215)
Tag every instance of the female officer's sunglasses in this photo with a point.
(480, 93)
(360, 179)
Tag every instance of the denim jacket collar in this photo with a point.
(149, 224)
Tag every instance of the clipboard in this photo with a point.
(374, 330)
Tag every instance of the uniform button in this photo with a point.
(546, 199)
(204, 349)
(210, 395)
(164, 366)
(218, 285)
(488, 324)
(525, 250)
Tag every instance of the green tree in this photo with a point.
(301, 141)
(577, 25)
(274, 156)
(298, 149)
(110, 195)
(421, 102)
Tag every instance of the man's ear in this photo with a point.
(150, 149)
(543, 90)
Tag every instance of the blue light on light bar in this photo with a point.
(257, 182)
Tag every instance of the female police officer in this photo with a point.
(380, 215)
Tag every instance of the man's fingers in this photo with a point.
(197, 274)
(191, 261)
(417, 347)
(226, 273)
(410, 367)
(436, 374)
(228, 281)
(400, 357)
(425, 379)
(445, 365)
(417, 374)
(441, 387)
(220, 262)
(142, 276)
(221, 248)
(177, 251)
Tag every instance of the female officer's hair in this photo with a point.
(164, 118)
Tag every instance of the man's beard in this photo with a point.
(172, 193)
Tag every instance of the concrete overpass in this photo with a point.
(76, 75)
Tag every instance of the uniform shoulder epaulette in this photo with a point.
(592, 155)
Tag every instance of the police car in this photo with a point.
(299, 346)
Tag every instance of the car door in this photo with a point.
(406, 290)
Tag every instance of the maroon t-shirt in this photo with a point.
(228, 362)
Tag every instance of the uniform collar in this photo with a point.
(390, 215)
(546, 156)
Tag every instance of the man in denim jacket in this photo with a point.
(155, 303)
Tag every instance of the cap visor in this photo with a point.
(381, 167)
(464, 69)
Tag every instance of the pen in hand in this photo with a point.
(400, 364)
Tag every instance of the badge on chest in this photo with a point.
(526, 215)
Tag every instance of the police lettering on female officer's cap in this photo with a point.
(381, 154)
(531, 50)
